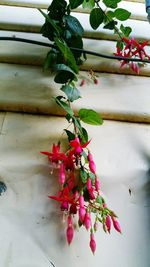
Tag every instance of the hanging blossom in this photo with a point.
(80, 194)
(132, 49)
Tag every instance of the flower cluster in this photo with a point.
(80, 193)
(132, 49)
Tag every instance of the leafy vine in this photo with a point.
(80, 192)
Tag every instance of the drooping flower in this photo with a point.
(89, 183)
(92, 243)
(55, 155)
(97, 184)
(70, 230)
(62, 174)
(92, 165)
(77, 146)
(82, 213)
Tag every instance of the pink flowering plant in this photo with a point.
(79, 194)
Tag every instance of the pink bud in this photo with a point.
(92, 166)
(69, 234)
(91, 193)
(108, 223)
(81, 201)
(69, 220)
(82, 213)
(92, 243)
(116, 224)
(97, 184)
(62, 174)
(89, 183)
(64, 206)
(90, 157)
(87, 221)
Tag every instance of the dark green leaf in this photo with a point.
(64, 77)
(71, 92)
(111, 25)
(96, 18)
(122, 14)
(84, 135)
(75, 3)
(50, 21)
(71, 136)
(90, 116)
(74, 25)
(78, 124)
(111, 3)
(50, 60)
(64, 105)
(67, 54)
(120, 44)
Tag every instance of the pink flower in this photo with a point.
(87, 220)
(116, 224)
(55, 155)
(82, 213)
(62, 174)
(108, 223)
(77, 147)
(69, 234)
(91, 193)
(92, 243)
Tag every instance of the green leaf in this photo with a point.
(77, 124)
(71, 92)
(50, 59)
(96, 18)
(67, 54)
(83, 175)
(64, 77)
(74, 25)
(75, 3)
(122, 14)
(111, 25)
(90, 116)
(64, 105)
(71, 136)
(84, 135)
(111, 3)
(88, 4)
(125, 30)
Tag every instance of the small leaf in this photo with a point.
(88, 4)
(111, 25)
(50, 60)
(96, 18)
(64, 105)
(71, 92)
(50, 21)
(122, 14)
(84, 135)
(71, 136)
(75, 3)
(125, 30)
(90, 116)
(63, 77)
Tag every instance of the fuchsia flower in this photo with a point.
(76, 145)
(92, 165)
(92, 243)
(62, 174)
(97, 184)
(89, 183)
(55, 155)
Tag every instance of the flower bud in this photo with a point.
(91, 193)
(116, 224)
(108, 223)
(69, 234)
(89, 183)
(81, 201)
(82, 213)
(87, 220)
(97, 184)
(92, 243)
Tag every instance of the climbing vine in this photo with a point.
(80, 191)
